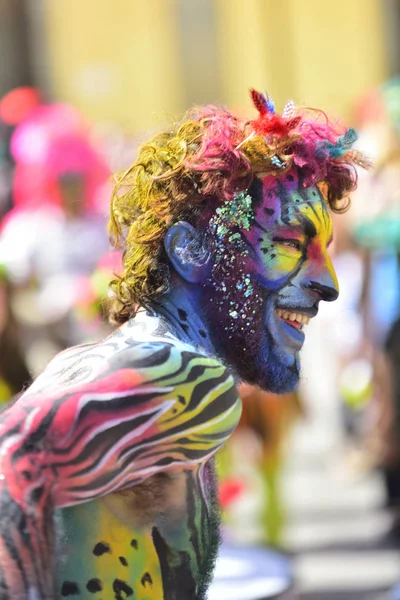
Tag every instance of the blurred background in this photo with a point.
(310, 480)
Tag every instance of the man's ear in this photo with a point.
(188, 252)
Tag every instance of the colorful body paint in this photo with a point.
(120, 413)
(143, 556)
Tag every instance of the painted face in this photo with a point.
(269, 281)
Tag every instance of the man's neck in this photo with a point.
(183, 314)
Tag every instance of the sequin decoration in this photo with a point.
(236, 213)
(229, 276)
(224, 227)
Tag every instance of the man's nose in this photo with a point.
(325, 292)
(323, 284)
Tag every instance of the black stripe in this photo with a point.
(227, 399)
(103, 442)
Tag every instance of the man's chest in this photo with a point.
(153, 542)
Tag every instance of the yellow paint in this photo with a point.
(118, 535)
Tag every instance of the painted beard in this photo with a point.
(238, 310)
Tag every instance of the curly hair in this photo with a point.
(184, 173)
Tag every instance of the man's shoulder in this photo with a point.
(159, 356)
(71, 366)
(153, 358)
(145, 343)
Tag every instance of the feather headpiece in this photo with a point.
(269, 123)
(306, 140)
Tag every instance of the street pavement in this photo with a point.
(339, 532)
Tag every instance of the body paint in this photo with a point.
(139, 404)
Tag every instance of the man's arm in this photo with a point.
(173, 410)
(26, 511)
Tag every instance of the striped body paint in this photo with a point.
(97, 427)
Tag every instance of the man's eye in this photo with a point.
(289, 243)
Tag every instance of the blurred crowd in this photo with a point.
(56, 262)
(55, 258)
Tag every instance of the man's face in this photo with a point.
(264, 290)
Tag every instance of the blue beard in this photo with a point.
(246, 345)
(271, 370)
(254, 357)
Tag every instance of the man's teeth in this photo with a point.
(293, 316)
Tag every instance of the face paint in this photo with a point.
(283, 257)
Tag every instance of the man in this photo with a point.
(107, 481)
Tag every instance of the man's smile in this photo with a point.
(290, 324)
(295, 319)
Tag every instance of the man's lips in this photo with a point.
(309, 311)
(296, 317)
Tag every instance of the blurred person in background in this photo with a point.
(5, 174)
(55, 233)
(371, 384)
(15, 107)
(391, 457)
(225, 226)
(14, 374)
(251, 466)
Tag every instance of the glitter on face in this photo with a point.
(230, 252)
(233, 214)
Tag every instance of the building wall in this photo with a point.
(320, 53)
(116, 59)
(15, 68)
(138, 62)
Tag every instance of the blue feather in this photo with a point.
(348, 139)
(270, 103)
